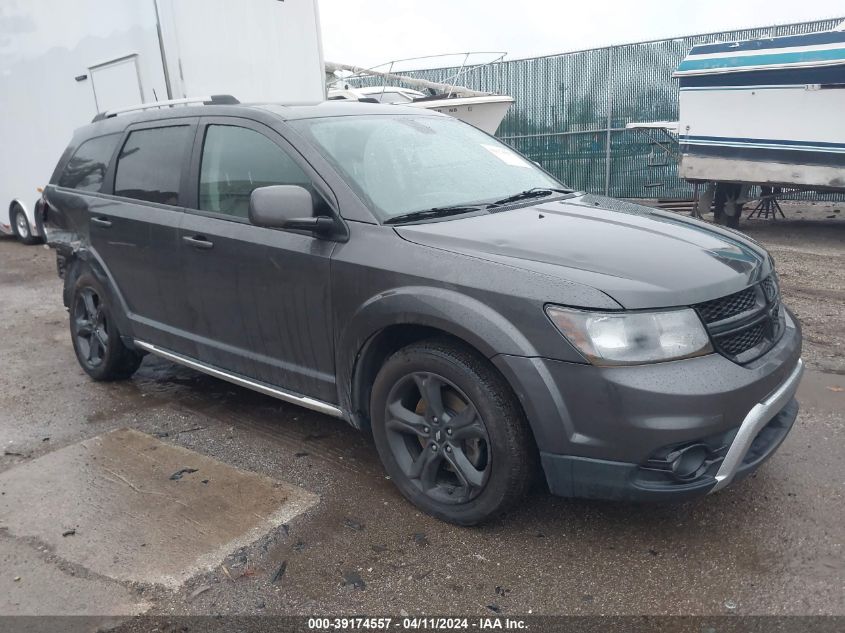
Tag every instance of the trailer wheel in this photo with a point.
(20, 225)
(719, 204)
(733, 212)
(728, 207)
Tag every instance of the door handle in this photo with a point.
(103, 222)
(198, 241)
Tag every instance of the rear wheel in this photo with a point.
(20, 225)
(96, 339)
(450, 432)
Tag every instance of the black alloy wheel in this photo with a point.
(451, 433)
(90, 327)
(437, 438)
(96, 340)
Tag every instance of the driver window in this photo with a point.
(236, 160)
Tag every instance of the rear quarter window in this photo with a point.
(149, 167)
(87, 168)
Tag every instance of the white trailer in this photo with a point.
(61, 63)
(765, 112)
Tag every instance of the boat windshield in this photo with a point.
(390, 96)
(400, 164)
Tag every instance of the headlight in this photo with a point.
(629, 338)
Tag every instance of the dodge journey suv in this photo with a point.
(406, 272)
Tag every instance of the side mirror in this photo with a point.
(287, 207)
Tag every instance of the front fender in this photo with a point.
(466, 318)
(456, 313)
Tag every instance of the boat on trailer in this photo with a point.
(484, 110)
(765, 112)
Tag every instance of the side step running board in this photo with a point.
(275, 392)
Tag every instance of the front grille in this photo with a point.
(736, 343)
(770, 287)
(727, 307)
(746, 324)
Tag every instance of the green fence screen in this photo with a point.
(569, 106)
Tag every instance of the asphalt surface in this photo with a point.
(772, 544)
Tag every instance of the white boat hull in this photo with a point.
(783, 135)
(765, 112)
(485, 113)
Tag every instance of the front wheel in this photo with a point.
(450, 432)
(96, 339)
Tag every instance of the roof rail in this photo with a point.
(211, 100)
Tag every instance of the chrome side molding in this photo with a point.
(275, 392)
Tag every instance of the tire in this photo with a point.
(96, 339)
(20, 226)
(728, 210)
(732, 215)
(463, 451)
(719, 204)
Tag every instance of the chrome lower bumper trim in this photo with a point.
(759, 416)
(303, 401)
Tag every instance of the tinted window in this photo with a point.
(149, 166)
(235, 161)
(87, 168)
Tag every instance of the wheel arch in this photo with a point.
(373, 354)
(31, 213)
(396, 319)
(81, 260)
(17, 202)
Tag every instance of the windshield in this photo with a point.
(402, 164)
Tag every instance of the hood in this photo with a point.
(642, 257)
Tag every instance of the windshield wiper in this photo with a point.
(457, 209)
(436, 212)
(536, 192)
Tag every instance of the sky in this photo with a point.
(370, 32)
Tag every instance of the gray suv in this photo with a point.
(407, 273)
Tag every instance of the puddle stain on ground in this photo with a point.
(133, 522)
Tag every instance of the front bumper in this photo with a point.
(756, 440)
(614, 432)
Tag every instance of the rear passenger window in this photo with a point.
(236, 160)
(87, 168)
(149, 166)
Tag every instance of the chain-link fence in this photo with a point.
(571, 109)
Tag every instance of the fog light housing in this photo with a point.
(689, 462)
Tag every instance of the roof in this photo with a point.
(339, 107)
(286, 112)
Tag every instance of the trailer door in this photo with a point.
(116, 83)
